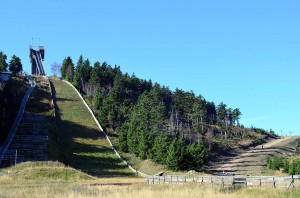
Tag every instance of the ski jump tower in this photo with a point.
(36, 58)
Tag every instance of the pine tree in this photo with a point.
(97, 101)
(132, 134)
(176, 154)
(3, 64)
(15, 65)
(196, 153)
(236, 115)
(123, 146)
(78, 73)
(67, 69)
(160, 148)
(95, 76)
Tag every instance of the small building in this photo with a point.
(5, 76)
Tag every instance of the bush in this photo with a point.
(294, 167)
(275, 163)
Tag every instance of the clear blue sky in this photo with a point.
(244, 53)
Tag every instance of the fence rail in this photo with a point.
(224, 181)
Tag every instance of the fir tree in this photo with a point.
(15, 65)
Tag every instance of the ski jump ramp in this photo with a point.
(36, 58)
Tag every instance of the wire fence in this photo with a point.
(288, 182)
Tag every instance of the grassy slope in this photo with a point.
(41, 172)
(82, 145)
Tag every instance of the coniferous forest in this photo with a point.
(175, 128)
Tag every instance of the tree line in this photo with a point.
(173, 128)
(15, 65)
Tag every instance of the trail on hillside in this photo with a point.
(252, 160)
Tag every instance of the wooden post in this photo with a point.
(153, 179)
(222, 182)
(260, 182)
(274, 186)
(292, 182)
(164, 179)
(211, 181)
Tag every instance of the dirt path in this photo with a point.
(251, 161)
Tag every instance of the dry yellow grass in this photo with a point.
(138, 191)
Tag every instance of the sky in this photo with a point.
(242, 53)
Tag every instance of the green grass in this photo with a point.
(81, 144)
(41, 172)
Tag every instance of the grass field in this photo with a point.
(54, 179)
(139, 191)
(81, 144)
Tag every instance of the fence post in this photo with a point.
(222, 182)
(260, 182)
(202, 181)
(211, 181)
(292, 182)
(274, 186)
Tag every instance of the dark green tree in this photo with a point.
(95, 75)
(132, 134)
(175, 159)
(15, 65)
(221, 112)
(196, 153)
(211, 113)
(160, 148)
(123, 146)
(97, 100)
(236, 115)
(78, 72)
(198, 116)
(3, 63)
(67, 69)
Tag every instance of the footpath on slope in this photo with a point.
(82, 143)
(251, 161)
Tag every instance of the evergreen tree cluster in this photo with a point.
(173, 128)
(291, 167)
(15, 65)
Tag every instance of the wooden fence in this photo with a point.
(227, 181)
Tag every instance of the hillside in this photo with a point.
(252, 161)
(11, 95)
(175, 128)
(81, 144)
